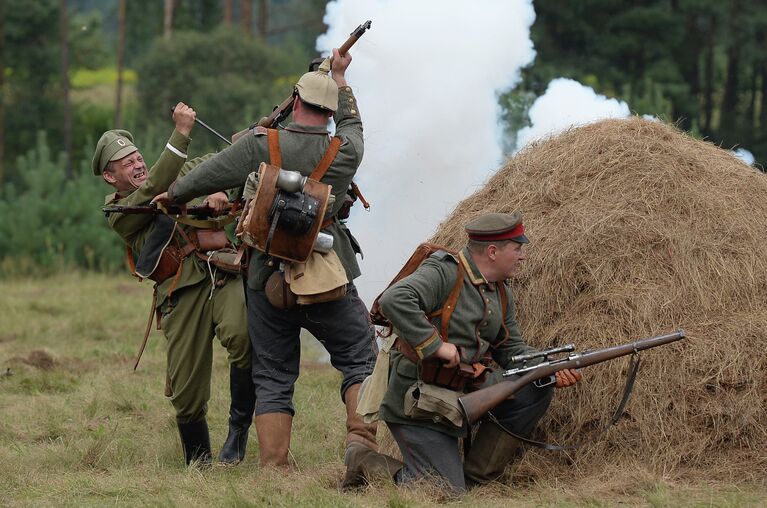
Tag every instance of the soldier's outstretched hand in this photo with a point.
(184, 117)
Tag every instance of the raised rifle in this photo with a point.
(476, 404)
(153, 209)
(284, 109)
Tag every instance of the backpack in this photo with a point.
(422, 252)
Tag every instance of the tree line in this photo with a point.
(71, 69)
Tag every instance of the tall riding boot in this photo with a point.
(491, 451)
(243, 393)
(273, 431)
(196, 442)
(357, 431)
(364, 466)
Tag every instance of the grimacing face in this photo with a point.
(127, 173)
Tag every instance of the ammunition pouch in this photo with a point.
(206, 240)
(434, 372)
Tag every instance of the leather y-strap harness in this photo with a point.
(275, 159)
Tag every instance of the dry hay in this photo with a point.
(636, 230)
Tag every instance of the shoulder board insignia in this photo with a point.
(259, 130)
(443, 254)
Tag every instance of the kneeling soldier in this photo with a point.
(432, 360)
(195, 300)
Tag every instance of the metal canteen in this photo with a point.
(323, 243)
(291, 181)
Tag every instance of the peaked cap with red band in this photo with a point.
(493, 227)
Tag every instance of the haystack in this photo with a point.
(637, 229)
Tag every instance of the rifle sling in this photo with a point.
(152, 312)
(630, 379)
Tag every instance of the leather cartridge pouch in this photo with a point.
(425, 401)
(209, 239)
(321, 279)
(433, 371)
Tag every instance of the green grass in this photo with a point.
(80, 428)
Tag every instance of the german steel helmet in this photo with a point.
(318, 88)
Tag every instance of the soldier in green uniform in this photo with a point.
(194, 300)
(480, 326)
(343, 326)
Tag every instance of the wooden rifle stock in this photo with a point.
(476, 404)
(282, 111)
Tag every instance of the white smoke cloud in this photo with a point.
(426, 77)
(567, 103)
(745, 155)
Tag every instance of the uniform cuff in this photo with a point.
(347, 103)
(178, 144)
(429, 346)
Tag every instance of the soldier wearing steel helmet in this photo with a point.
(343, 326)
(193, 301)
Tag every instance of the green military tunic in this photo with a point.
(475, 326)
(195, 312)
(300, 152)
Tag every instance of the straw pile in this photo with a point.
(636, 230)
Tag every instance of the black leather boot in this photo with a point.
(243, 393)
(196, 442)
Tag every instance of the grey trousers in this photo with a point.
(343, 327)
(432, 454)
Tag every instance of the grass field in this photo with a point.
(80, 428)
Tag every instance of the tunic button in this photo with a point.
(490, 312)
(353, 111)
(350, 99)
(437, 418)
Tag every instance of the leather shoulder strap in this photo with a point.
(275, 155)
(327, 159)
(446, 312)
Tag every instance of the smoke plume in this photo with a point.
(426, 77)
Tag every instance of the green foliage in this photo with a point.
(231, 80)
(697, 62)
(87, 78)
(31, 54)
(48, 222)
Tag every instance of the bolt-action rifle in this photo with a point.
(199, 211)
(283, 110)
(476, 404)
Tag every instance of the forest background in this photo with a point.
(71, 69)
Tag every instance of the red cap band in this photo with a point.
(518, 230)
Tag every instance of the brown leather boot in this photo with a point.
(273, 431)
(357, 431)
(492, 450)
(364, 466)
